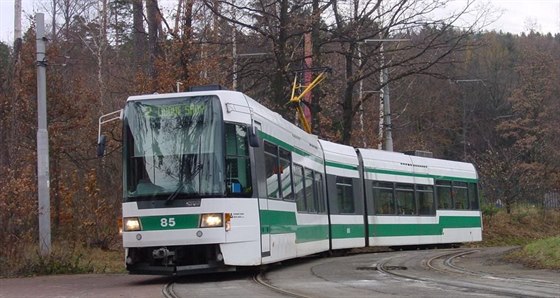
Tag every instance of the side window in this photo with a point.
(345, 195)
(460, 196)
(321, 207)
(443, 193)
(271, 170)
(238, 167)
(404, 194)
(309, 191)
(473, 196)
(426, 202)
(285, 159)
(299, 191)
(383, 200)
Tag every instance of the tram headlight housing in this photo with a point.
(211, 220)
(131, 224)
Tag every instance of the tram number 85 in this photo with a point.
(167, 222)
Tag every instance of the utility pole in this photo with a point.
(384, 81)
(464, 116)
(385, 126)
(17, 20)
(234, 47)
(42, 141)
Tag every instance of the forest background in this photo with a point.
(489, 98)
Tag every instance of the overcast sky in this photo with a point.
(516, 15)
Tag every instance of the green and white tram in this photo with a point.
(214, 181)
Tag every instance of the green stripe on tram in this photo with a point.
(307, 233)
(169, 222)
(284, 222)
(342, 231)
(437, 177)
(445, 222)
(341, 165)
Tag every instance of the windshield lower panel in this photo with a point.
(173, 148)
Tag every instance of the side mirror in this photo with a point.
(101, 146)
(253, 138)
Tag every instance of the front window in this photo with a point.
(174, 147)
(238, 167)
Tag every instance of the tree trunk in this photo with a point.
(153, 30)
(139, 33)
(347, 106)
(178, 16)
(278, 83)
(186, 37)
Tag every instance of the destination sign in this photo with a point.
(175, 110)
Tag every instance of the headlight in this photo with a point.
(211, 220)
(131, 224)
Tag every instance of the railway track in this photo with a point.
(475, 281)
(383, 275)
(452, 268)
(261, 279)
(167, 290)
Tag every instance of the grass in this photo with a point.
(535, 230)
(544, 254)
(521, 227)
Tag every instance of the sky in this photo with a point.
(516, 15)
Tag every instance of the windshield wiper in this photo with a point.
(182, 185)
(175, 193)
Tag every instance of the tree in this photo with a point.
(532, 130)
(139, 33)
(154, 19)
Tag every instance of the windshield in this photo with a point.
(174, 148)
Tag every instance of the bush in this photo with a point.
(64, 259)
(522, 226)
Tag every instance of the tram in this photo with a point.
(214, 181)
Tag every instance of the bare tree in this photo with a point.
(138, 32)
(153, 19)
(364, 39)
(280, 26)
(351, 38)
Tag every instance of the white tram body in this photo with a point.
(213, 181)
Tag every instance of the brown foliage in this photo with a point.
(18, 207)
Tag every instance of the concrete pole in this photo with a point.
(361, 92)
(42, 141)
(17, 20)
(234, 47)
(388, 141)
(387, 126)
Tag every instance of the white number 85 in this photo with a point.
(167, 222)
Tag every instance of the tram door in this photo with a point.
(262, 155)
(265, 229)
